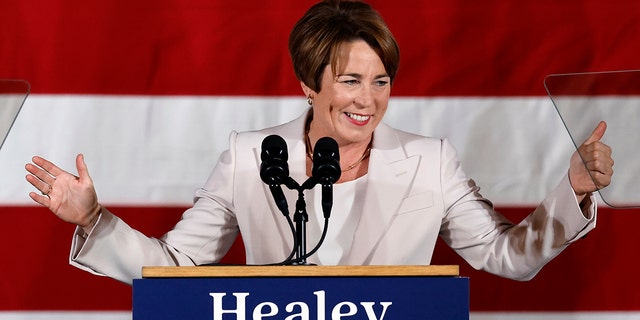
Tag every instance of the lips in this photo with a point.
(358, 119)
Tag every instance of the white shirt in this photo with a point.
(345, 217)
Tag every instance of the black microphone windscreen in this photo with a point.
(326, 160)
(274, 156)
(274, 146)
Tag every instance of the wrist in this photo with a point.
(584, 202)
(95, 214)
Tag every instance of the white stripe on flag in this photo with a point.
(157, 150)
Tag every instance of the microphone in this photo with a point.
(326, 169)
(274, 168)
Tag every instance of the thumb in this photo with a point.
(81, 166)
(597, 133)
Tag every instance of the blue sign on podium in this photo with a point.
(323, 294)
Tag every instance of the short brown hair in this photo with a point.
(315, 38)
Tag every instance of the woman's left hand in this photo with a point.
(591, 166)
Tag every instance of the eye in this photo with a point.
(381, 83)
(350, 82)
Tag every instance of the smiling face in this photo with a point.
(352, 102)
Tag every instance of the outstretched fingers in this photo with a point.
(43, 175)
(47, 166)
(40, 179)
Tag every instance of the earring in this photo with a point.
(310, 100)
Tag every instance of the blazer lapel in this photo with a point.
(389, 178)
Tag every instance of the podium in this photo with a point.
(301, 292)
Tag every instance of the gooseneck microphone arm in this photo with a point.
(300, 217)
(325, 171)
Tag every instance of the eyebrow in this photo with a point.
(359, 76)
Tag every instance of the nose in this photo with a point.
(364, 96)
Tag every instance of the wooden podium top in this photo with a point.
(299, 271)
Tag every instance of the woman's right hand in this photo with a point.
(71, 198)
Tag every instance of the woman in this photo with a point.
(396, 194)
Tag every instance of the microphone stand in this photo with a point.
(301, 217)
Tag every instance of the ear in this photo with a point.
(308, 92)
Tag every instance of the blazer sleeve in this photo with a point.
(203, 235)
(116, 250)
(489, 241)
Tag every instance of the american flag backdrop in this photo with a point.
(149, 91)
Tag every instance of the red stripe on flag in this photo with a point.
(37, 276)
(202, 47)
(595, 274)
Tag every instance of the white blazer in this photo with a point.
(416, 191)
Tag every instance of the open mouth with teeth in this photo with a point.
(357, 118)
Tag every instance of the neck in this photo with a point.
(352, 155)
